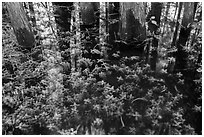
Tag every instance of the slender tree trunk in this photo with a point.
(188, 17)
(147, 55)
(198, 13)
(20, 24)
(177, 25)
(102, 29)
(165, 18)
(75, 41)
(113, 24)
(176, 10)
(72, 44)
(154, 16)
(32, 14)
(132, 21)
(78, 33)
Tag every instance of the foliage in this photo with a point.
(121, 95)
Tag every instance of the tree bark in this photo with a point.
(188, 17)
(166, 18)
(176, 5)
(113, 24)
(132, 21)
(75, 40)
(153, 20)
(63, 15)
(153, 17)
(20, 24)
(72, 44)
(77, 26)
(198, 19)
(88, 14)
(102, 29)
(32, 16)
(177, 25)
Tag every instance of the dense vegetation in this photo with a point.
(120, 90)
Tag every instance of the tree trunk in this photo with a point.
(176, 5)
(62, 13)
(132, 22)
(75, 40)
(153, 17)
(72, 44)
(198, 19)
(177, 25)
(20, 24)
(78, 30)
(102, 29)
(113, 24)
(188, 17)
(166, 18)
(88, 14)
(32, 14)
(153, 20)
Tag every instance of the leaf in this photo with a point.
(197, 108)
(95, 51)
(152, 17)
(197, 81)
(154, 22)
(23, 126)
(199, 70)
(121, 41)
(139, 99)
(119, 79)
(116, 55)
